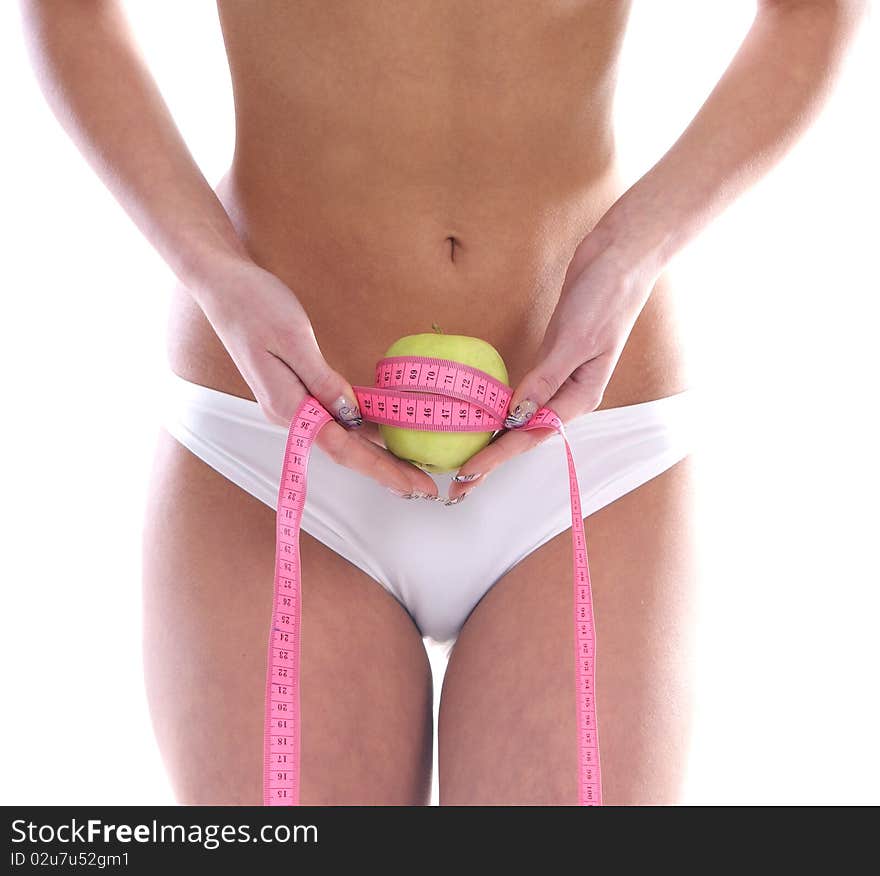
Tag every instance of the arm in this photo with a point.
(98, 86)
(770, 92)
(95, 80)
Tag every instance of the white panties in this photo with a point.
(438, 561)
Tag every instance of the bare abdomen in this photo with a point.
(369, 273)
(396, 170)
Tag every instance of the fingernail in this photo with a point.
(414, 494)
(465, 479)
(521, 414)
(456, 500)
(347, 413)
(403, 494)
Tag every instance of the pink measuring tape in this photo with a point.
(413, 392)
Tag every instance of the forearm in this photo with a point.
(768, 95)
(93, 77)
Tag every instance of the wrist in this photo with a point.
(206, 270)
(633, 237)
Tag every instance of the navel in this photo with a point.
(454, 245)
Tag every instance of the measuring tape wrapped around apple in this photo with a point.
(461, 389)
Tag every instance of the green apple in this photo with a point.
(438, 452)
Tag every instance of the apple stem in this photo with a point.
(436, 328)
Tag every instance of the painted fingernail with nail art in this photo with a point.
(403, 494)
(466, 479)
(521, 414)
(413, 494)
(456, 500)
(347, 413)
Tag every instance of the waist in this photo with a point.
(386, 258)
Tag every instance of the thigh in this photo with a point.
(366, 697)
(507, 723)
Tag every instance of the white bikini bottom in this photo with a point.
(438, 561)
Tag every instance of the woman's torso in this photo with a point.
(403, 163)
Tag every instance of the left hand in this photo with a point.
(601, 297)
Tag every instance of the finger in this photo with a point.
(370, 431)
(538, 386)
(344, 446)
(351, 449)
(329, 387)
(280, 392)
(583, 390)
(579, 393)
(506, 445)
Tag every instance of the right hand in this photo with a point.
(270, 338)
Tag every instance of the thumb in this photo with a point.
(536, 388)
(332, 390)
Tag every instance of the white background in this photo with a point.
(782, 308)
